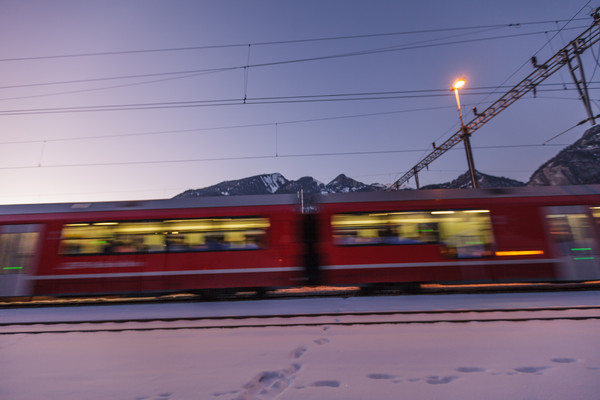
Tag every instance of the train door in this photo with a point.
(18, 244)
(575, 241)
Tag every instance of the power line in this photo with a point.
(193, 73)
(559, 30)
(365, 96)
(569, 129)
(259, 157)
(134, 76)
(540, 73)
(215, 128)
(241, 126)
(117, 86)
(269, 43)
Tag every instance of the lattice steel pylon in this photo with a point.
(565, 56)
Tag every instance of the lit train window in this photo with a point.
(208, 234)
(573, 238)
(17, 248)
(464, 233)
(571, 227)
(596, 214)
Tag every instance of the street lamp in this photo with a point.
(460, 82)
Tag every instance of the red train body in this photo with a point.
(149, 246)
(505, 235)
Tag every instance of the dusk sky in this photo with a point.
(142, 99)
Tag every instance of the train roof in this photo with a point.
(197, 202)
(293, 199)
(447, 194)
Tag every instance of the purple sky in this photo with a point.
(220, 52)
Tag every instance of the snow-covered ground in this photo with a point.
(477, 360)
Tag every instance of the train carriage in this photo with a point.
(150, 246)
(259, 242)
(484, 235)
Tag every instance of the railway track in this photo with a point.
(302, 292)
(573, 313)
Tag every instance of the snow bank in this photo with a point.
(477, 360)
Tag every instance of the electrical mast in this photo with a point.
(568, 55)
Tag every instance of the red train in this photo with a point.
(484, 235)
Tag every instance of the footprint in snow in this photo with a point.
(563, 360)
(162, 396)
(531, 370)
(297, 353)
(333, 384)
(224, 393)
(470, 369)
(321, 341)
(381, 376)
(437, 380)
(269, 384)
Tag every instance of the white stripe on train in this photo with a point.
(461, 263)
(167, 273)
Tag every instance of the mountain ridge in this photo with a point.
(576, 164)
(276, 183)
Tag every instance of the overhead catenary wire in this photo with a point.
(569, 129)
(548, 42)
(540, 73)
(329, 97)
(248, 66)
(224, 127)
(253, 157)
(424, 93)
(124, 85)
(246, 72)
(268, 43)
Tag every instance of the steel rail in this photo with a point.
(177, 323)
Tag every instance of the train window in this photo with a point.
(573, 239)
(572, 229)
(17, 247)
(464, 233)
(384, 228)
(596, 214)
(208, 234)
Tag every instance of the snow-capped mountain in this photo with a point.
(259, 184)
(343, 184)
(277, 183)
(305, 184)
(483, 180)
(578, 164)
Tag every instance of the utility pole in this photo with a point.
(580, 81)
(465, 135)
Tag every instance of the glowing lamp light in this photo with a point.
(460, 82)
